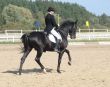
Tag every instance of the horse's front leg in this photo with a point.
(69, 57)
(59, 61)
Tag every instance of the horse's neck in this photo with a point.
(64, 32)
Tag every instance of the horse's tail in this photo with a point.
(24, 40)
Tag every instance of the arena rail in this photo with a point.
(93, 30)
(79, 30)
(9, 39)
(15, 35)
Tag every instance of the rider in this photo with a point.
(51, 27)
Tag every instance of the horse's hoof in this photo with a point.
(69, 63)
(44, 71)
(59, 71)
(18, 73)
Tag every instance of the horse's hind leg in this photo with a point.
(23, 60)
(37, 59)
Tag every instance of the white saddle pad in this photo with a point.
(52, 38)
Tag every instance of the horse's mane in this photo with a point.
(66, 23)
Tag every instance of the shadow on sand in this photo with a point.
(28, 71)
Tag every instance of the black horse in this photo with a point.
(40, 42)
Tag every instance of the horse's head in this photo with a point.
(72, 29)
(69, 27)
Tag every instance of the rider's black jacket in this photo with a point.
(50, 23)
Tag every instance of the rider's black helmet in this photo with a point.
(51, 9)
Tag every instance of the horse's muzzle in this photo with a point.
(73, 37)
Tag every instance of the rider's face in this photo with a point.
(51, 12)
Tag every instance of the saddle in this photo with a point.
(52, 37)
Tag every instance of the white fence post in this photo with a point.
(13, 39)
(89, 37)
(79, 30)
(21, 32)
(6, 32)
(7, 38)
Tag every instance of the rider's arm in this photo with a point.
(54, 22)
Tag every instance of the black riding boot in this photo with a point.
(57, 47)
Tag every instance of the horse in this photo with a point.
(41, 43)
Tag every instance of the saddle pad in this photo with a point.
(52, 38)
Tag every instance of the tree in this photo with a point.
(103, 19)
(36, 7)
(40, 17)
(17, 15)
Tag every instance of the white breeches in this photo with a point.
(56, 34)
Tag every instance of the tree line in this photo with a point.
(22, 14)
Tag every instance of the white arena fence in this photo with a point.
(82, 34)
